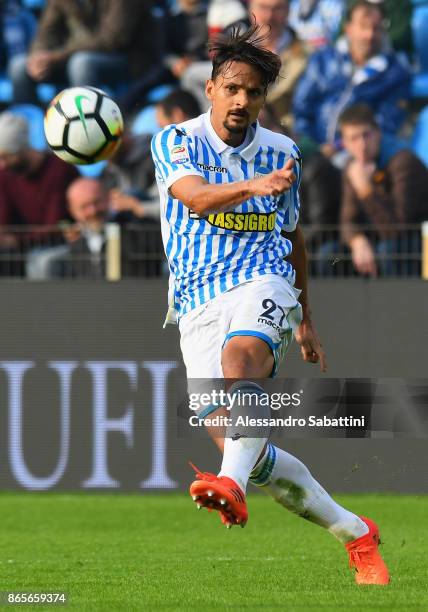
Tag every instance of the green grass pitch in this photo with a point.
(148, 552)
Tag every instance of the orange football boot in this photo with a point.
(364, 556)
(221, 494)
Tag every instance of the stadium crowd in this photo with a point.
(351, 95)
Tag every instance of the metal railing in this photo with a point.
(136, 251)
(70, 252)
(398, 250)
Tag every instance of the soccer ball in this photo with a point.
(83, 125)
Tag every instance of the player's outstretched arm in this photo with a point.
(306, 334)
(204, 198)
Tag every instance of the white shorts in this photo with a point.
(266, 307)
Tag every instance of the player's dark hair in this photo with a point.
(179, 98)
(367, 5)
(247, 47)
(358, 114)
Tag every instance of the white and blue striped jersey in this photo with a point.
(210, 255)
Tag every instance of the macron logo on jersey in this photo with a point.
(212, 168)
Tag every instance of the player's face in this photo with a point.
(365, 32)
(362, 142)
(237, 96)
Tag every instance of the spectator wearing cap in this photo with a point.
(32, 183)
(222, 15)
(83, 42)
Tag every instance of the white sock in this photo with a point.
(290, 483)
(241, 449)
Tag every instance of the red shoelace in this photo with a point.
(203, 475)
(356, 558)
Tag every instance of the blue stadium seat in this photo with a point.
(116, 90)
(92, 170)
(46, 91)
(6, 90)
(420, 86)
(34, 5)
(158, 93)
(420, 136)
(145, 122)
(35, 116)
(420, 39)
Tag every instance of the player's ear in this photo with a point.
(209, 89)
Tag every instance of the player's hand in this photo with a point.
(310, 345)
(363, 256)
(276, 182)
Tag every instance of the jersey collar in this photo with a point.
(220, 147)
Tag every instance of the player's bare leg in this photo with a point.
(286, 478)
(243, 358)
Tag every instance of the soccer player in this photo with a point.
(230, 207)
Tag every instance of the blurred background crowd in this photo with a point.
(353, 94)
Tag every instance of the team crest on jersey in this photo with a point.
(261, 172)
(179, 154)
(240, 222)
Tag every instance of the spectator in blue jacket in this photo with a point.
(18, 27)
(399, 22)
(359, 68)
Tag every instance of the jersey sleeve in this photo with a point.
(173, 156)
(292, 213)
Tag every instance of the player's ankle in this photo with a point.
(348, 530)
